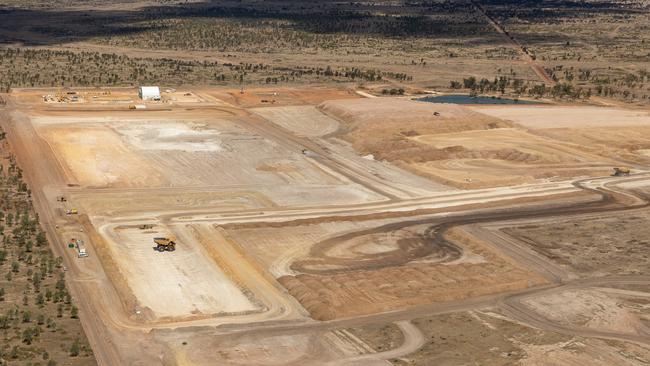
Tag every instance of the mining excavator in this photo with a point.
(164, 244)
(621, 171)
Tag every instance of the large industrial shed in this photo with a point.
(149, 93)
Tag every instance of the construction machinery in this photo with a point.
(164, 244)
(59, 96)
(80, 246)
(621, 171)
(72, 211)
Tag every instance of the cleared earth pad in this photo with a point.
(183, 283)
(340, 292)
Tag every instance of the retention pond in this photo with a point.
(467, 99)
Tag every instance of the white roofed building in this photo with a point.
(149, 93)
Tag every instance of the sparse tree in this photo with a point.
(28, 336)
(75, 348)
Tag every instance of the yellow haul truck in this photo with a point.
(164, 244)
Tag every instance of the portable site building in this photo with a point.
(149, 93)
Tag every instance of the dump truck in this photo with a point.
(72, 211)
(164, 244)
(621, 171)
(81, 247)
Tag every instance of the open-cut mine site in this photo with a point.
(246, 182)
(222, 232)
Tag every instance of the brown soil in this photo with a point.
(474, 338)
(463, 148)
(110, 266)
(242, 166)
(515, 202)
(626, 142)
(597, 246)
(384, 127)
(345, 294)
(380, 337)
(479, 338)
(376, 248)
(281, 96)
(615, 310)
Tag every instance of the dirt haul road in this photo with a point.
(118, 291)
(507, 302)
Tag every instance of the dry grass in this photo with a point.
(593, 247)
(37, 68)
(592, 48)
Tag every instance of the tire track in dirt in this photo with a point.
(434, 237)
(514, 308)
(413, 340)
(324, 285)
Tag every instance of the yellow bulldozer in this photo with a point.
(164, 244)
(621, 171)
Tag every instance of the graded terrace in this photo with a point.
(326, 225)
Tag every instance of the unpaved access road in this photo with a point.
(538, 69)
(119, 336)
(514, 308)
(413, 340)
(608, 203)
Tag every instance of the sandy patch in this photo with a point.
(338, 287)
(97, 156)
(588, 308)
(170, 136)
(591, 352)
(302, 120)
(563, 116)
(182, 283)
(523, 146)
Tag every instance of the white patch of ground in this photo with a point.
(588, 308)
(374, 248)
(302, 120)
(181, 283)
(170, 136)
(252, 350)
(591, 352)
